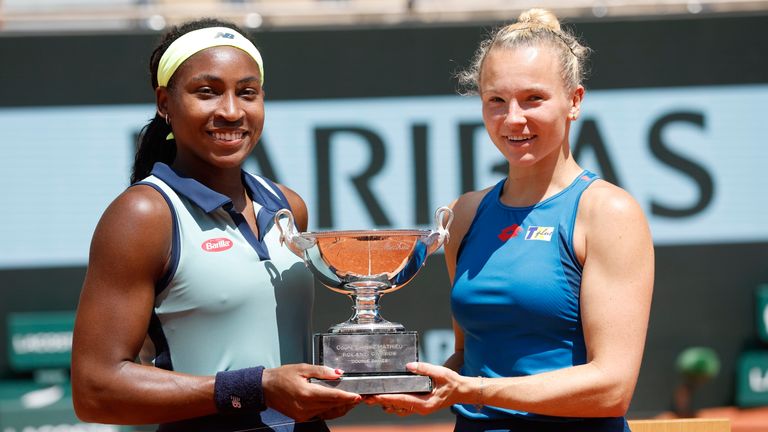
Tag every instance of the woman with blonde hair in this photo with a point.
(551, 268)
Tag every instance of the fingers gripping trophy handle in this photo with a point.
(443, 220)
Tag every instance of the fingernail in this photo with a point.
(338, 371)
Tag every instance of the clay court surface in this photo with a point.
(436, 427)
(742, 420)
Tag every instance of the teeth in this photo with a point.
(228, 136)
(519, 137)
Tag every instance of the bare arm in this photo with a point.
(129, 252)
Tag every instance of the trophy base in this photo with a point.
(379, 384)
(373, 363)
(369, 354)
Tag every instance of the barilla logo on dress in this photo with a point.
(539, 233)
(509, 232)
(219, 244)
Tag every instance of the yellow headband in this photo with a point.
(195, 41)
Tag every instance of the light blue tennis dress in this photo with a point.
(230, 300)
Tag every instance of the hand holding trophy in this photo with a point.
(365, 265)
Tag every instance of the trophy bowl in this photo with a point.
(365, 265)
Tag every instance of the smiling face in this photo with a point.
(527, 108)
(215, 104)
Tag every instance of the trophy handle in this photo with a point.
(443, 220)
(290, 236)
(286, 233)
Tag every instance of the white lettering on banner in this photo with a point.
(42, 397)
(691, 156)
(42, 343)
(758, 380)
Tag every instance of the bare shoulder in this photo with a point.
(139, 205)
(603, 202)
(290, 194)
(610, 223)
(135, 229)
(298, 206)
(465, 206)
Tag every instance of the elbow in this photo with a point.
(618, 408)
(89, 401)
(84, 412)
(612, 393)
(616, 400)
(86, 405)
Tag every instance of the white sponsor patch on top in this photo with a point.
(539, 233)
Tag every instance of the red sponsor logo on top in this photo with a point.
(219, 244)
(509, 232)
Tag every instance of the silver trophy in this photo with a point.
(365, 265)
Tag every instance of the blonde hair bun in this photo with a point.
(539, 17)
(534, 27)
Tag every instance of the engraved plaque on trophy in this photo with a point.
(365, 265)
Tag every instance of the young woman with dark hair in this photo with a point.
(186, 273)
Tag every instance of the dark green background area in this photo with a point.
(384, 62)
(704, 294)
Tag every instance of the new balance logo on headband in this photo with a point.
(224, 35)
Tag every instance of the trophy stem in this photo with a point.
(366, 317)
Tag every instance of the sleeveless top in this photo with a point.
(516, 291)
(230, 300)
